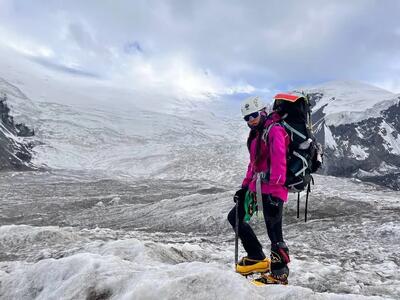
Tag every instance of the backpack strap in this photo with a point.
(263, 176)
(267, 130)
(305, 163)
(292, 130)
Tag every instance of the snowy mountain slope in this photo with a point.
(89, 124)
(345, 102)
(147, 144)
(80, 121)
(22, 108)
(359, 126)
(137, 143)
(178, 244)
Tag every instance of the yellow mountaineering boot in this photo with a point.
(271, 279)
(247, 266)
(279, 272)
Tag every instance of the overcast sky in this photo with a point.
(213, 46)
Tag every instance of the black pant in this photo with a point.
(272, 209)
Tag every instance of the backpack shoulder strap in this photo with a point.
(268, 129)
(292, 130)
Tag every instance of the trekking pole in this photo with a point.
(298, 205)
(308, 193)
(236, 230)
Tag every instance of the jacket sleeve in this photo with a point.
(277, 153)
(249, 176)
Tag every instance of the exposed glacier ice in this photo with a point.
(131, 269)
(178, 244)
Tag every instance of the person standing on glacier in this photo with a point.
(263, 184)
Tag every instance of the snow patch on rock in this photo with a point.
(392, 141)
(329, 139)
(359, 152)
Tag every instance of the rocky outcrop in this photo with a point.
(367, 149)
(15, 152)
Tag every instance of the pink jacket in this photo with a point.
(272, 161)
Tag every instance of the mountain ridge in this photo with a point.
(363, 144)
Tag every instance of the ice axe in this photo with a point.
(236, 199)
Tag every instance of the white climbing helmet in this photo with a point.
(251, 105)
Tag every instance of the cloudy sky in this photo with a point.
(222, 47)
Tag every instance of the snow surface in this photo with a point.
(175, 243)
(350, 101)
(129, 269)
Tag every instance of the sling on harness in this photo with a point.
(250, 205)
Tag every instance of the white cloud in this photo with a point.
(176, 74)
(24, 45)
(242, 46)
(391, 84)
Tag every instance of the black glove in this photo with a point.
(240, 194)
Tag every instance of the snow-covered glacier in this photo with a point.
(132, 196)
(91, 238)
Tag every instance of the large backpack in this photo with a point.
(305, 153)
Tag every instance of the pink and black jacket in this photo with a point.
(271, 159)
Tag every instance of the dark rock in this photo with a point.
(23, 130)
(380, 164)
(14, 153)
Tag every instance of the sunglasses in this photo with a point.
(252, 116)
